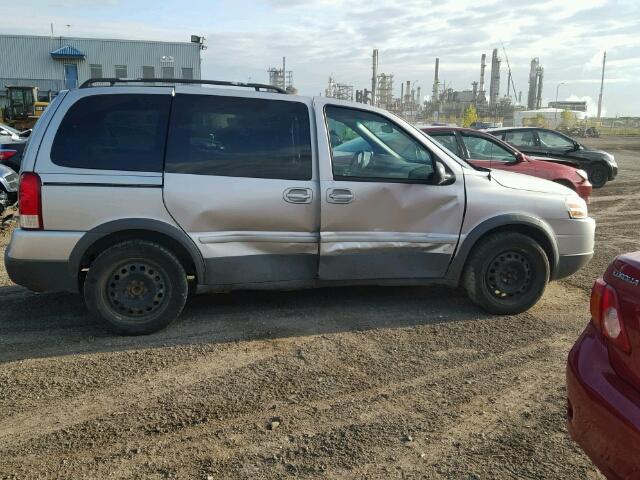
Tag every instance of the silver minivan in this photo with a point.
(135, 195)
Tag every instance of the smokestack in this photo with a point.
(436, 81)
(494, 86)
(604, 60)
(539, 96)
(407, 92)
(475, 90)
(401, 94)
(532, 100)
(483, 64)
(374, 76)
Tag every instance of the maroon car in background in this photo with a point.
(484, 150)
(603, 373)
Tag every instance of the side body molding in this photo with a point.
(141, 225)
(514, 220)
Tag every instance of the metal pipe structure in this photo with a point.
(604, 59)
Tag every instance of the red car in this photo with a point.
(484, 150)
(603, 373)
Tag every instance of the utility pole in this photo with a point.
(604, 59)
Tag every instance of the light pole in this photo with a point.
(556, 115)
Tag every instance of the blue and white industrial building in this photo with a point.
(56, 63)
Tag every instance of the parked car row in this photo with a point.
(486, 151)
(558, 147)
(12, 144)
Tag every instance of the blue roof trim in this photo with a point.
(67, 52)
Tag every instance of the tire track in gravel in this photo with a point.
(64, 414)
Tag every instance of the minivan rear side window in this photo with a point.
(114, 132)
(239, 137)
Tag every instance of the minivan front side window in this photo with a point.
(368, 147)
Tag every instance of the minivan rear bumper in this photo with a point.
(39, 260)
(40, 275)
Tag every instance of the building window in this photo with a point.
(121, 71)
(187, 73)
(96, 70)
(148, 72)
(167, 72)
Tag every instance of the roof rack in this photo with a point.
(112, 81)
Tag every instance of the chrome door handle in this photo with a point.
(339, 195)
(298, 195)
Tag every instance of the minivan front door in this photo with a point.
(239, 179)
(381, 215)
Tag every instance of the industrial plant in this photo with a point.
(445, 104)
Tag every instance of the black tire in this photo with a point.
(137, 287)
(506, 273)
(598, 175)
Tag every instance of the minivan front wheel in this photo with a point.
(507, 273)
(137, 287)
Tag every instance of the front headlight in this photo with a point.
(576, 207)
(582, 174)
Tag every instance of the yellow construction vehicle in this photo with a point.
(23, 108)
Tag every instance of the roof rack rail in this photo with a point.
(112, 81)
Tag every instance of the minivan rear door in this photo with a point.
(241, 181)
(381, 215)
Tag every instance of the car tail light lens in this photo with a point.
(7, 154)
(30, 201)
(606, 315)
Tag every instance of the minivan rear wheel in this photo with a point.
(137, 287)
(507, 273)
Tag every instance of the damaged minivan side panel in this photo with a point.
(395, 225)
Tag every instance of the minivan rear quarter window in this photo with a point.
(239, 137)
(114, 132)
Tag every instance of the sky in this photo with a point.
(335, 37)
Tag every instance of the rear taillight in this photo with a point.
(606, 314)
(7, 154)
(30, 201)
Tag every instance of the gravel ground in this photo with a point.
(333, 383)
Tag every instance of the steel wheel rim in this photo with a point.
(509, 275)
(136, 289)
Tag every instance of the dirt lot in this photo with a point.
(333, 383)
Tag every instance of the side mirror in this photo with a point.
(441, 175)
(520, 157)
